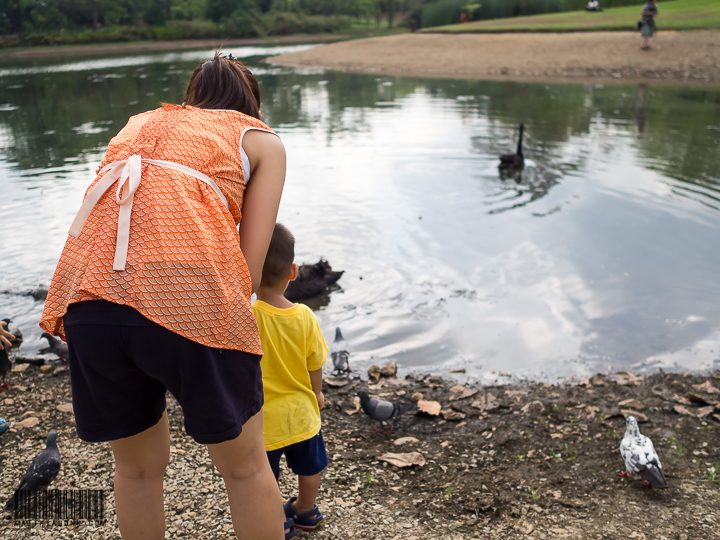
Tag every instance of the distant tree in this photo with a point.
(154, 14)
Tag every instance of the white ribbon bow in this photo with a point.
(128, 172)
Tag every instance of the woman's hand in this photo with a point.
(262, 198)
(5, 336)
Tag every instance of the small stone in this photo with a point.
(47, 368)
(65, 407)
(374, 373)
(19, 368)
(417, 396)
(30, 421)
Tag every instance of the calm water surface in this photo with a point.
(602, 254)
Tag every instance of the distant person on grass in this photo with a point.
(152, 292)
(647, 23)
(294, 354)
(593, 5)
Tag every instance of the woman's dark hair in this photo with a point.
(224, 83)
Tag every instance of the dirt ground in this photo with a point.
(532, 461)
(691, 56)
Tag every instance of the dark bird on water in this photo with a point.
(11, 327)
(381, 410)
(516, 160)
(312, 280)
(42, 471)
(339, 353)
(57, 346)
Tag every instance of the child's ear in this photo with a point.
(293, 273)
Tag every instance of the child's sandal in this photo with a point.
(289, 526)
(306, 521)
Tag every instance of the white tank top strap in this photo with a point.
(128, 173)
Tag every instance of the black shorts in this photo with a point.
(305, 458)
(121, 365)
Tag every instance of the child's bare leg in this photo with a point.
(255, 502)
(140, 463)
(308, 487)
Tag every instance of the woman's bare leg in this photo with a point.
(255, 502)
(140, 463)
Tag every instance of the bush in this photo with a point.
(283, 24)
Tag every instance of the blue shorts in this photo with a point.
(306, 458)
(122, 364)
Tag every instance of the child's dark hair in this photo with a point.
(280, 256)
(224, 83)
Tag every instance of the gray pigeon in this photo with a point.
(43, 470)
(381, 410)
(57, 346)
(640, 457)
(11, 327)
(339, 353)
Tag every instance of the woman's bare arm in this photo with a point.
(261, 199)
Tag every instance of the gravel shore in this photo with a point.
(681, 57)
(515, 461)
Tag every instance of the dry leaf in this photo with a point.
(19, 368)
(631, 404)
(460, 392)
(449, 414)
(374, 373)
(404, 460)
(389, 369)
(417, 396)
(405, 440)
(534, 407)
(432, 408)
(556, 435)
(65, 407)
(706, 387)
(640, 417)
(625, 378)
(356, 404)
(336, 382)
(30, 421)
(458, 370)
(47, 368)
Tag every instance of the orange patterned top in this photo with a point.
(185, 269)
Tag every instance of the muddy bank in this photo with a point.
(681, 57)
(103, 49)
(516, 461)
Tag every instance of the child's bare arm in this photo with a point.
(316, 381)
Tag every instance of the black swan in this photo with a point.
(514, 161)
(312, 279)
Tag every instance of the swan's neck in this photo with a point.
(519, 146)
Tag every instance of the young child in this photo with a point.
(294, 352)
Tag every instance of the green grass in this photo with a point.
(676, 15)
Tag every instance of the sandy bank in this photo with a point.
(104, 49)
(676, 56)
(525, 461)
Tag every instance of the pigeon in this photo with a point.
(11, 327)
(43, 470)
(640, 457)
(383, 411)
(339, 353)
(57, 346)
(5, 366)
(312, 280)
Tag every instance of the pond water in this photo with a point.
(602, 254)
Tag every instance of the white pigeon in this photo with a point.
(640, 457)
(339, 353)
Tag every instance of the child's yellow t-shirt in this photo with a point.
(293, 346)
